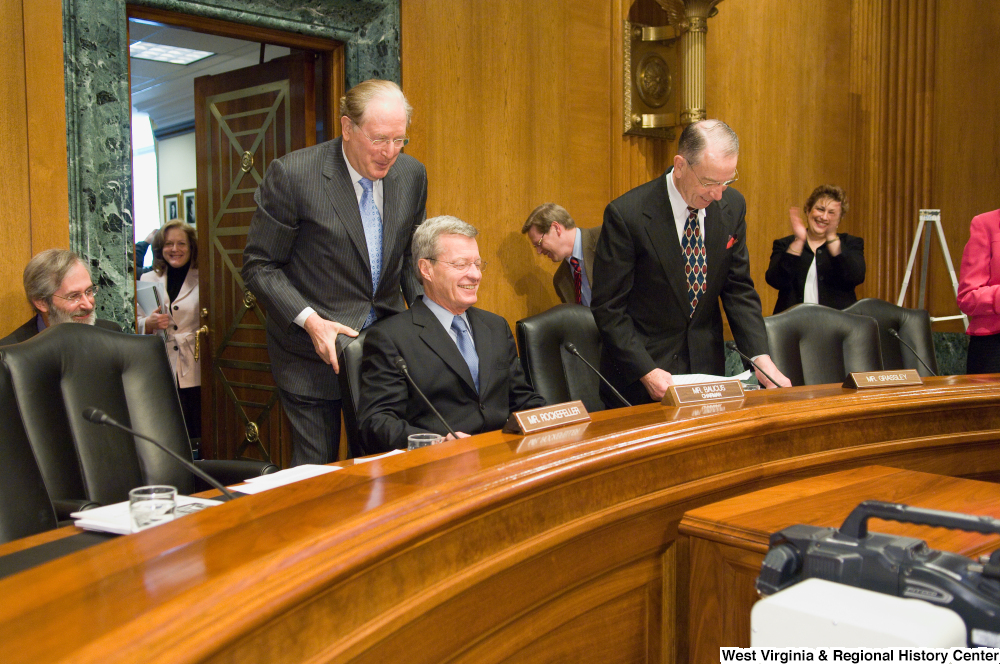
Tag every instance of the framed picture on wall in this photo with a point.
(172, 207)
(189, 205)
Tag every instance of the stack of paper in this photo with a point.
(115, 518)
(283, 477)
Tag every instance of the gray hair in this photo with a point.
(45, 273)
(544, 215)
(695, 137)
(425, 239)
(355, 103)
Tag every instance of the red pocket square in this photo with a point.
(732, 240)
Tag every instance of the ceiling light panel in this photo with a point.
(172, 54)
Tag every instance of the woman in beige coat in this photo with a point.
(175, 269)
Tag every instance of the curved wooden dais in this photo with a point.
(496, 548)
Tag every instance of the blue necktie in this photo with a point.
(466, 348)
(372, 221)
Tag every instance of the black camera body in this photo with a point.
(893, 565)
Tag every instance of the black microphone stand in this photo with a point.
(571, 347)
(98, 416)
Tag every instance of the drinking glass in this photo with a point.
(413, 441)
(150, 506)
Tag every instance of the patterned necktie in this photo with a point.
(466, 348)
(372, 222)
(577, 279)
(695, 264)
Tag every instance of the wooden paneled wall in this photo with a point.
(524, 102)
(518, 103)
(966, 148)
(33, 144)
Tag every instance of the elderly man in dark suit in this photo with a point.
(553, 233)
(60, 290)
(462, 358)
(670, 250)
(327, 253)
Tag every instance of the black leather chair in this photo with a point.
(350, 391)
(70, 367)
(912, 325)
(552, 370)
(812, 344)
(25, 508)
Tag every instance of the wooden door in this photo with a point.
(244, 119)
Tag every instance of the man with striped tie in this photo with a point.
(553, 233)
(669, 251)
(327, 254)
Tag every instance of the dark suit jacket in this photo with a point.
(562, 280)
(390, 409)
(640, 299)
(30, 329)
(306, 247)
(837, 276)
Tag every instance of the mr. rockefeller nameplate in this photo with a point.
(689, 395)
(547, 417)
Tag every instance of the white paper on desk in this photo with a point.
(376, 457)
(283, 477)
(115, 518)
(691, 379)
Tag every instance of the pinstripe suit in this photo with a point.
(306, 248)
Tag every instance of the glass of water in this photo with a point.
(150, 506)
(416, 440)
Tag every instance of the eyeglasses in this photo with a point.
(74, 298)
(710, 184)
(463, 266)
(398, 143)
(538, 245)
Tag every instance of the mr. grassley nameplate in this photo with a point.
(547, 417)
(861, 380)
(689, 395)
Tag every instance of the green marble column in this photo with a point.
(98, 116)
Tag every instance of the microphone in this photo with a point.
(894, 333)
(98, 416)
(569, 346)
(401, 365)
(754, 364)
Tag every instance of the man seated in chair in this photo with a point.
(462, 358)
(60, 290)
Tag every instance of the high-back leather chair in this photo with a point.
(25, 508)
(68, 368)
(553, 371)
(912, 325)
(350, 391)
(812, 344)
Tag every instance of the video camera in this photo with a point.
(894, 565)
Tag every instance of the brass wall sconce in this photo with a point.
(664, 84)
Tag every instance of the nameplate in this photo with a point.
(861, 380)
(547, 417)
(572, 433)
(704, 409)
(689, 395)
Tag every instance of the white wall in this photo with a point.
(178, 166)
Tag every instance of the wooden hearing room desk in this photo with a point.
(489, 549)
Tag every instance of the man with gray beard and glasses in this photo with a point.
(59, 288)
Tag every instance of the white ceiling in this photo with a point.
(166, 91)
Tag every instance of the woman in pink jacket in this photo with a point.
(175, 268)
(979, 293)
